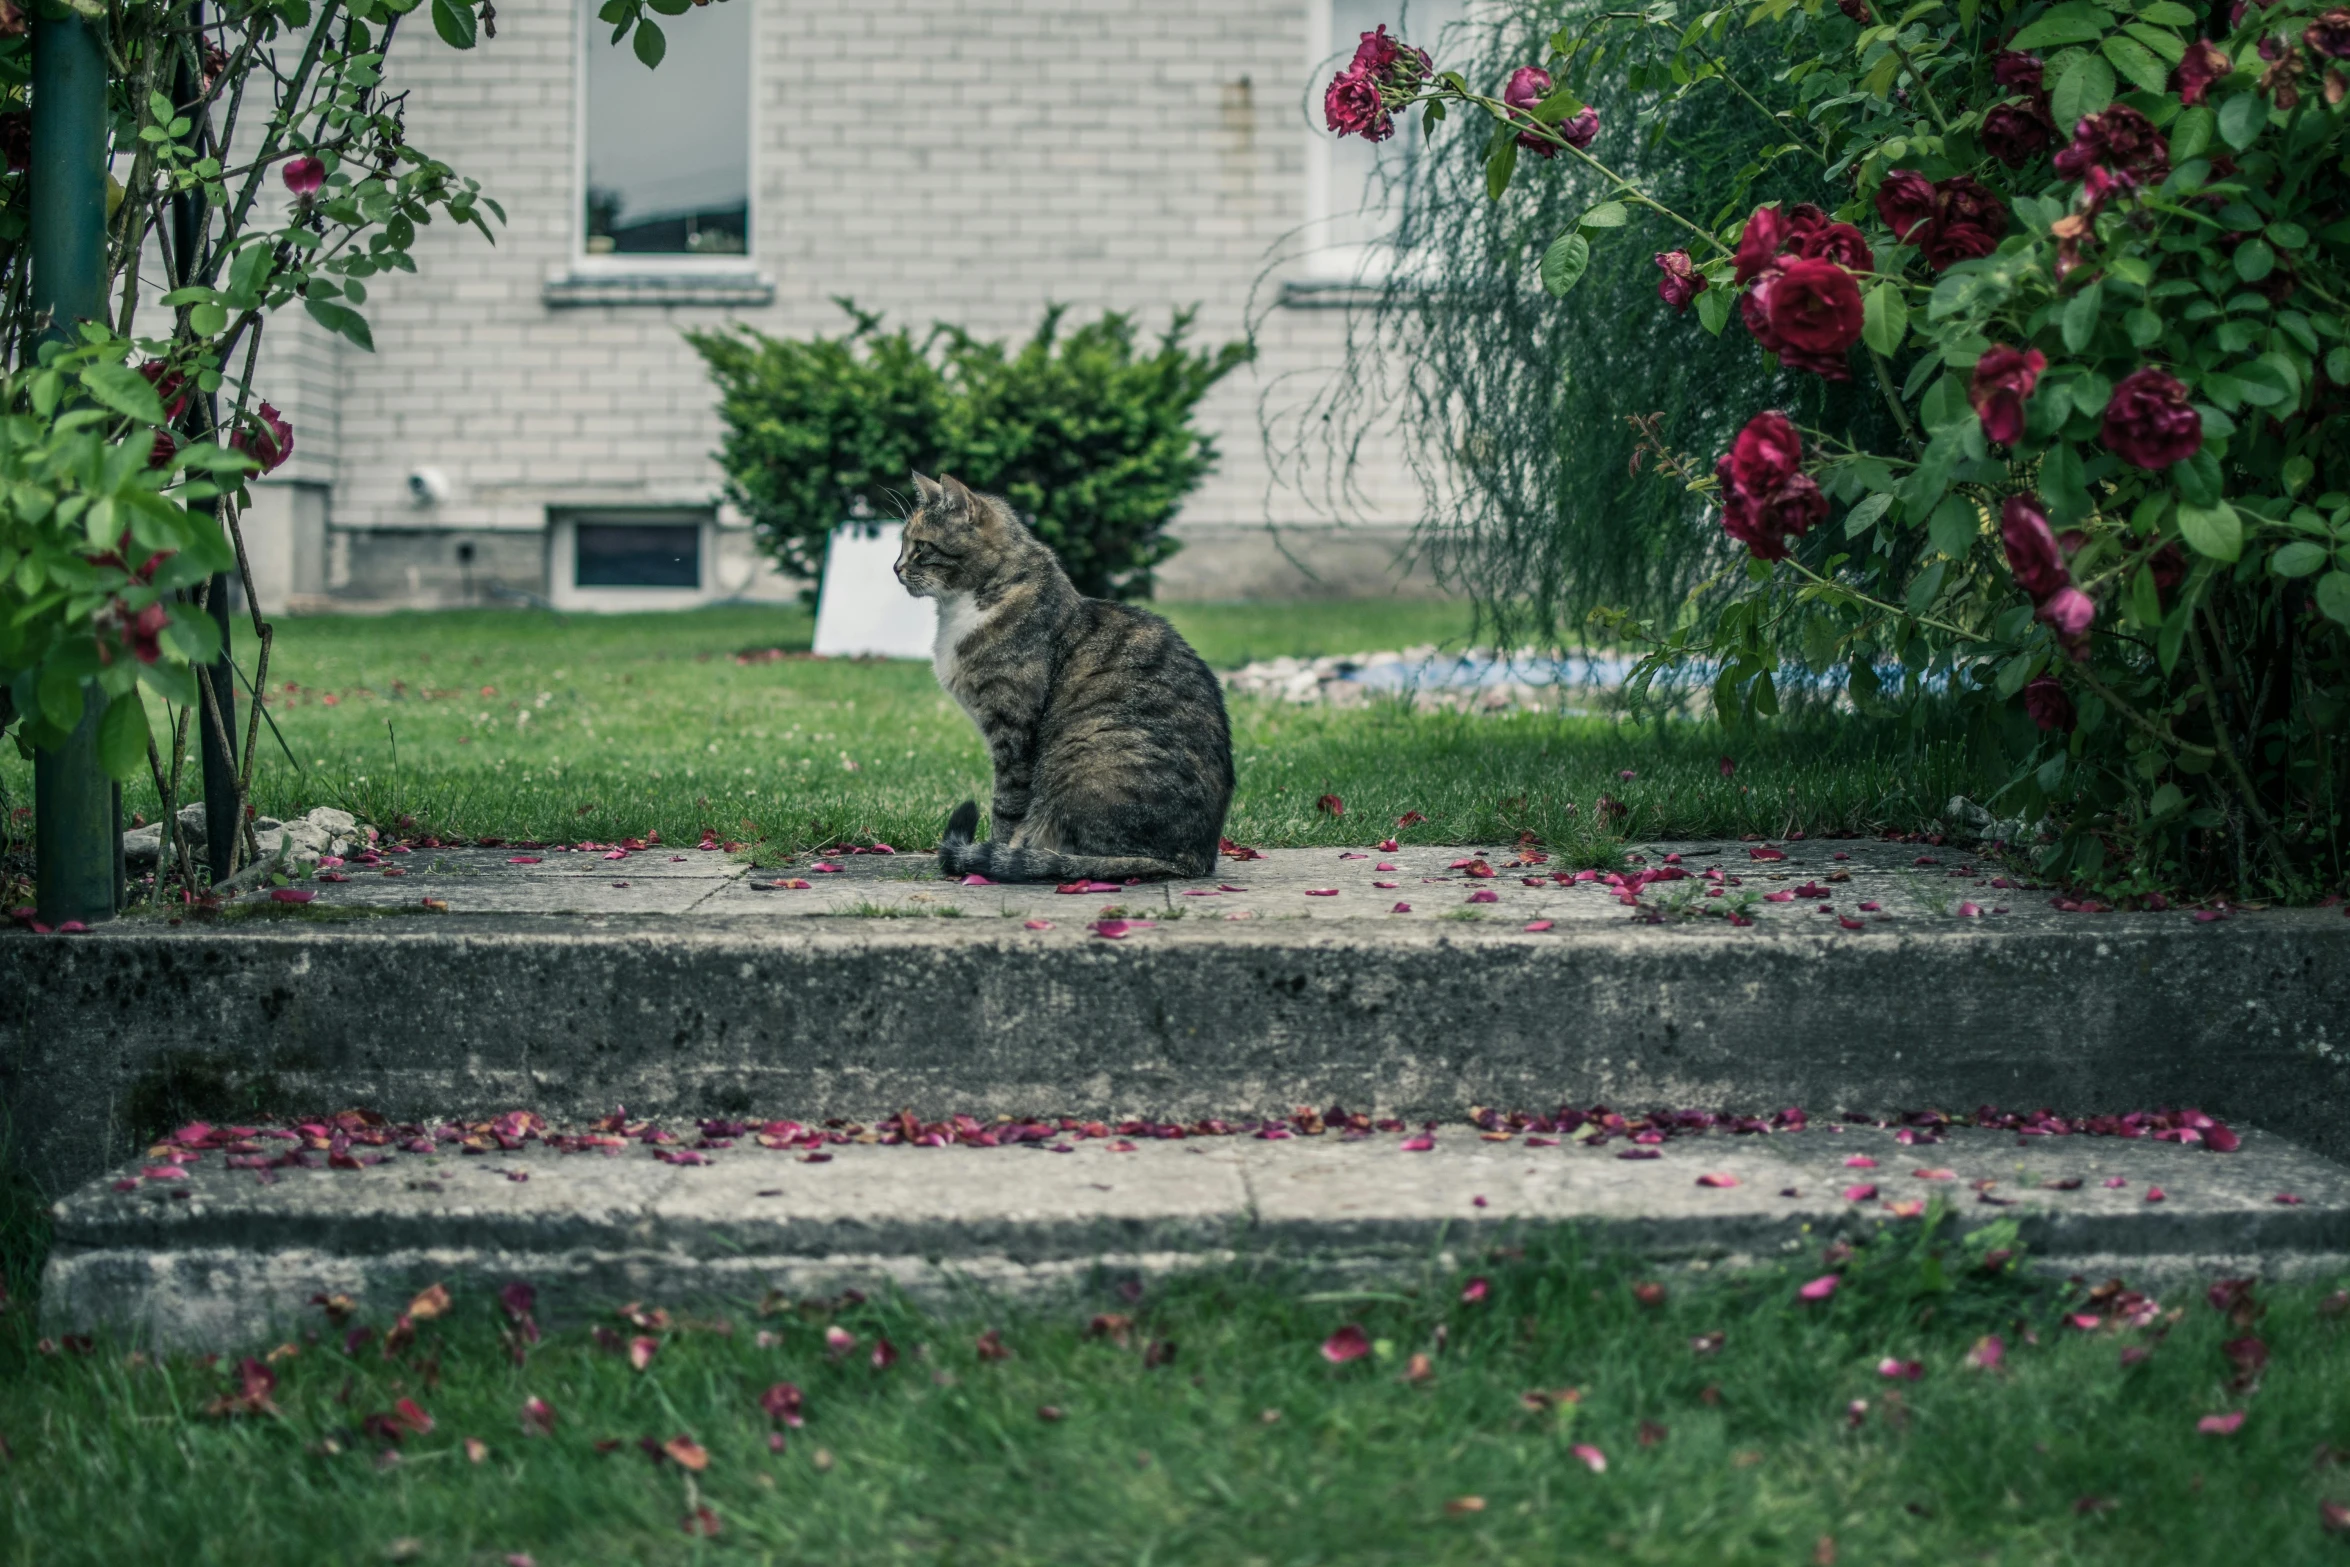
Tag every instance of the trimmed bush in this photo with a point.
(1090, 440)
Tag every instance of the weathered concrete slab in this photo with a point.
(221, 1257)
(692, 993)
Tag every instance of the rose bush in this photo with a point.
(2091, 259)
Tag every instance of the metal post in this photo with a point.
(77, 832)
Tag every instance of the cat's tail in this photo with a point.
(959, 856)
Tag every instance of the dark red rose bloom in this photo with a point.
(1528, 86)
(16, 140)
(171, 386)
(2003, 379)
(1352, 107)
(160, 454)
(2068, 612)
(2120, 139)
(2329, 35)
(1968, 221)
(1376, 52)
(1905, 201)
(1766, 498)
(1759, 246)
(2050, 707)
(1581, 128)
(2015, 135)
(1681, 282)
(1837, 242)
(1813, 308)
(2205, 62)
(143, 632)
(270, 444)
(2017, 72)
(1766, 454)
(2149, 422)
(2169, 565)
(2031, 548)
(303, 176)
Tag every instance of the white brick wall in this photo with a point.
(936, 159)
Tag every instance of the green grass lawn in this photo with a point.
(1213, 1430)
(525, 725)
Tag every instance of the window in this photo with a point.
(1361, 196)
(636, 555)
(666, 152)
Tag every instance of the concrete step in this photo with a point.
(227, 1255)
(468, 984)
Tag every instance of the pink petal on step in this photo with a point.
(1716, 1179)
(1037, 924)
(524, 859)
(2154, 1194)
(1537, 926)
(291, 894)
(1419, 1144)
(976, 880)
(1321, 892)
(1401, 908)
(1866, 1193)
(2113, 1181)
(1860, 1161)
(1484, 895)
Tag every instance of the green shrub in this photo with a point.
(1089, 440)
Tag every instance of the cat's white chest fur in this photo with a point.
(958, 616)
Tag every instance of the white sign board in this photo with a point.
(863, 610)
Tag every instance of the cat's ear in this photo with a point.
(960, 502)
(926, 487)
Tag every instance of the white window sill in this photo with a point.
(652, 282)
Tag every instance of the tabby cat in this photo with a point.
(1113, 758)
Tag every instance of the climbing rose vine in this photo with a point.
(2088, 261)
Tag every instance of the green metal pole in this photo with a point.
(76, 827)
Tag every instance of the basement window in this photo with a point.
(636, 555)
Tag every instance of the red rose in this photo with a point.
(2149, 422)
(1681, 282)
(2205, 62)
(163, 450)
(1766, 498)
(1904, 201)
(2120, 139)
(1375, 53)
(1814, 313)
(1528, 86)
(16, 140)
(2014, 135)
(1858, 10)
(1766, 454)
(303, 176)
(2031, 548)
(2050, 707)
(2020, 72)
(143, 632)
(171, 387)
(1837, 242)
(1352, 107)
(1581, 128)
(1759, 246)
(1968, 220)
(2003, 378)
(270, 444)
(2329, 36)
(2068, 613)
(2169, 565)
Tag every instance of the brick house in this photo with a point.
(532, 424)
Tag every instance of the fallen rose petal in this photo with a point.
(839, 1340)
(687, 1453)
(538, 1417)
(2334, 1517)
(1348, 1343)
(1593, 1459)
(976, 880)
(1401, 908)
(1465, 1504)
(782, 1404)
(1321, 892)
(291, 894)
(641, 1351)
(1536, 927)
(1860, 1161)
(1484, 895)
(430, 1303)
(524, 859)
(2114, 1181)
(1717, 1179)
(1419, 1144)
(1935, 1175)
(1474, 1291)
(1037, 924)
(1901, 1370)
(2288, 1199)
(2221, 1425)
(1864, 1193)
(1989, 1351)
(885, 1354)
(1820, 1288)
(165, 1172)
(700, 1522)
(1906, 1210)
(2154, 1194)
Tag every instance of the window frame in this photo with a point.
(584, 263)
